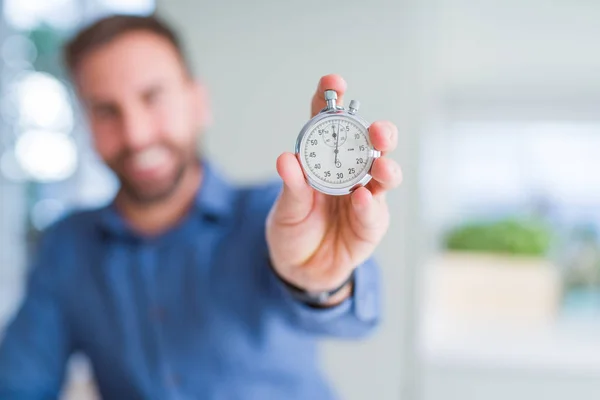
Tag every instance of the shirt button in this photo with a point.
(173, 380)
(367, 307)
(158, 314)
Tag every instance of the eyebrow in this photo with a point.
(100, 102)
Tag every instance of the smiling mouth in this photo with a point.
(148, 163)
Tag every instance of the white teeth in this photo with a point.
(150, 158)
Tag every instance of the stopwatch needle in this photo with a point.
(336, 151)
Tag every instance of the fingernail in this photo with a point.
(389, 131)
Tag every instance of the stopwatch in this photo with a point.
(334, 149)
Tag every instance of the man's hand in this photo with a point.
(316, 240)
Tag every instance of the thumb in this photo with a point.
(296, 199)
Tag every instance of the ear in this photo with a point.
(202, 111)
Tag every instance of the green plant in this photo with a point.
(508, 236)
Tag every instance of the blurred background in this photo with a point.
(492, 262)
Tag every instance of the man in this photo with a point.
(186, 287)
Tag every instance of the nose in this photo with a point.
(137, 128)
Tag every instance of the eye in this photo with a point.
(105, 111)
(153, 96)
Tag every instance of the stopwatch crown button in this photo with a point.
(330, 98)
(330, 95)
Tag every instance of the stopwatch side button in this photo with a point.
(353, 107)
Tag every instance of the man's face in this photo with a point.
(144, 111)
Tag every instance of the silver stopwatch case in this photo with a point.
(334, 112)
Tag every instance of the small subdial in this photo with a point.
(330, 135)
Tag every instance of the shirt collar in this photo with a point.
(213, 201)
(215, 197)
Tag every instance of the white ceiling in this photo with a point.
(542, 46)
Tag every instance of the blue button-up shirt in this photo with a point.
(195, 313)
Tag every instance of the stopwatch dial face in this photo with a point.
(336, 151)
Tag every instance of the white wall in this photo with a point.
(261, 61)
(517, 50)
(510, 59)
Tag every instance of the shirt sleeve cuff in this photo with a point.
(364, 303)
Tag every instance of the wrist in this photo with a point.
(341, 295)
(318, 298)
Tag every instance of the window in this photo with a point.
(514, 208)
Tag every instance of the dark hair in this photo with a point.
(109, 28)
